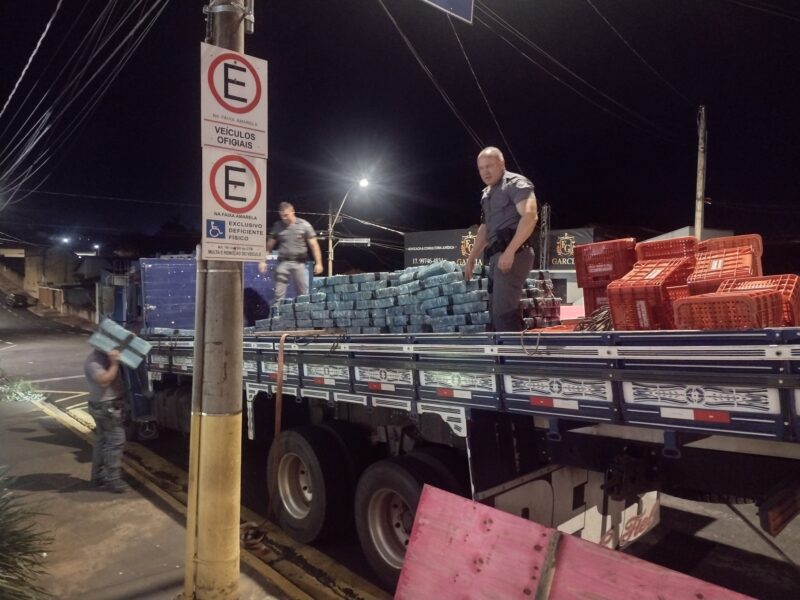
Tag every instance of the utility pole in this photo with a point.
(700, 190)
(544, 238)
(330, 239)
(215, 454)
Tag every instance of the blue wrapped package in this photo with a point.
(469, 307)
(435, 302)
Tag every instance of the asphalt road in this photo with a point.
(713, 542)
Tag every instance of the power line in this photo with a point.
(115, 198)
(766, 8)
(639, 56)
(654, 128)
(436, 84)
(483, 94)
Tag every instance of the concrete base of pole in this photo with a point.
(217, 573)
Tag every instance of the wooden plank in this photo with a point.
(463, 549)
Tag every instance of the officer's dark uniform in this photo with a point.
(500, 218)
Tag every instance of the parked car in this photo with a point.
(16, 299)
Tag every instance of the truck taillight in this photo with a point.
(780, 507)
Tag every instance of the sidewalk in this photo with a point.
(69, 320)
(105, 546)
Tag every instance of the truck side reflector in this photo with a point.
(541, 401)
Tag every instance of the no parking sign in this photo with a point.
(234, 137)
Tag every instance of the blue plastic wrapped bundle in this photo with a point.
(302, 298)
(407, 276)
(341, 314)
(305, 324)
(387, 292)
(383, 302)
(379, 321)
(248, 330)
(439, 311)
(428, 293)
(396, 320)
(480, 318)
(335, 280)
(457, 287)
(303, 308)
(469, 307)
(435, 302)
(418, 328)
(263, 323)
(404, 299)
(318, 297)
(371, 330)
(472, 296)
(351, 296)
(399, 329)
(361, 322)
(472, 328)
(319, 306)
(437, 268)
(394, 311)
(449, 320)
(371, 286)
(346, 287)
(362, 304)
(443, 328)
(419, 319)
(362, 277)
(412, 309)
(443, 279)
(343, 321)
(363, 295)
(473, 284)
(361, 313)
(411, 287)
(317, 315)
(318, 282)
(285, 310)
(484, 283)
(323, 323)
(377, 312)
(341, 305)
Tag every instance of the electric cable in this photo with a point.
(430, 75)
(766, 8)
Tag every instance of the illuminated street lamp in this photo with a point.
(362, 183)
(65, 240)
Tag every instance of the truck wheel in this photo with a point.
(311, 500)
(386, 501)
(147, 431)
(356, 448)
(450, 467)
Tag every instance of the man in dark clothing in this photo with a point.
(293, 237)
(508, 218)
(107, 397)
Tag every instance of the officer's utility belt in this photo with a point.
(504, 237)
(293, 258)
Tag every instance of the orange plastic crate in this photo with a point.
(750, 240)
(787, 285)
(715, 266)
(639, 300)
(601, 262)
(672, 248)
(676, 292)
(732, 310)
(594, 298)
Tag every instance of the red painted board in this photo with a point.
(463, 549)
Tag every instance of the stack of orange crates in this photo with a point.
(787, 285)
(600, 263)
(641, 300)
(752, 309)
(679, 247)
(715, 266)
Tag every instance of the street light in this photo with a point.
(362, 183)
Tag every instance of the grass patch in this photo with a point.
(23, 549)
(17, 390)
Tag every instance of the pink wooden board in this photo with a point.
(462, 549)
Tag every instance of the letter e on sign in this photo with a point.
(234, 83)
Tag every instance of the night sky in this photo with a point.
(605, 139)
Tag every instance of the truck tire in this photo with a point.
(310, 499)
(147, 431)
(386, 501)
(451, 468)
(355, 446)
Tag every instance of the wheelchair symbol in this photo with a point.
(215, 229)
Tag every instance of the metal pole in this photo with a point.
(700, 190)
(330, 239)
(213, 528)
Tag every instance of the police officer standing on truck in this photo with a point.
(293, 237)
(508, 218)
